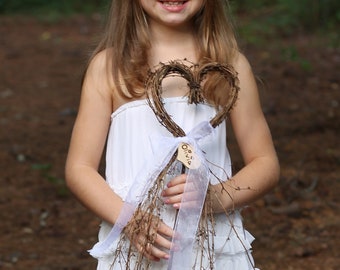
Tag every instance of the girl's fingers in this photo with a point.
(175, 188)
(187, 205)
(165, 230)
(180, 179)
(172, 191)
(146, 251)
(173, 199)
(164, 233)
(161, 242)
(173, 194)
(154, 251)
(178, 185)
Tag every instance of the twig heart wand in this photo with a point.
(141, 213)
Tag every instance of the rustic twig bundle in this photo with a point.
(147, 215)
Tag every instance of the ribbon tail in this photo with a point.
(188, 218)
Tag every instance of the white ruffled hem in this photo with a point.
(231, 253)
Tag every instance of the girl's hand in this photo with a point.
(150, 236)
(173, 194)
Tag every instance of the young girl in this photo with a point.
(113, 111)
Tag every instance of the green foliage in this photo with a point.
(37, 7)
(264, 18)
(308, 14)
(256, 20)
(290, 53)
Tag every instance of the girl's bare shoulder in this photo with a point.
(98, 76)
(241, 63)
(99, 66)
(100, 72)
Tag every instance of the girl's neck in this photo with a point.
(170, 43)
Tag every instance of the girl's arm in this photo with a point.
(86, 148)
(87, 144)
(261, 170)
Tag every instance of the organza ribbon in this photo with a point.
(191, 203)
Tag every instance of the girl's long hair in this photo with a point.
(126, 41)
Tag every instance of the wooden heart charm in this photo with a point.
(195, 76)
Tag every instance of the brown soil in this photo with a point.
(42, 226)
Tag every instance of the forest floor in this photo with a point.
(42, 226)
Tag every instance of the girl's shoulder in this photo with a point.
(98, 75)
(100, 62)
(241, 63)
(101, 71)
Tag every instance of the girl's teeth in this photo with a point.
(172, 3)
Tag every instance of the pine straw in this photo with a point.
(147, 215)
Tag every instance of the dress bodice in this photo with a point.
(133, 128)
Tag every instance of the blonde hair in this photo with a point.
(127, 33)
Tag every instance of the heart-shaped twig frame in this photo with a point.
(195, 75)
(149, 209)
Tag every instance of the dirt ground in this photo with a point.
(43, 227)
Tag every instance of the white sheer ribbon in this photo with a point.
(191, 204)
(189, 214)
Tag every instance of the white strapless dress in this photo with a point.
(129, 143)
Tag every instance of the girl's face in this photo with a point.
(171, 13)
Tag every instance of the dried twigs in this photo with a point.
(147, 215)
(195, 75)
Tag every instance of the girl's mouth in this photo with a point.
(173, 6)
(173, 3)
